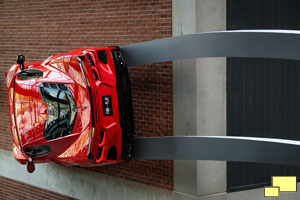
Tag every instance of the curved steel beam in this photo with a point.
(244, 149)
(282, 44)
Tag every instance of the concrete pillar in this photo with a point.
(199, 99)
(184, 95)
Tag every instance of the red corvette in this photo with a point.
(73, 108)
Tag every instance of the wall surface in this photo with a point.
(199, 99)
(262, 94)
(76, 182)
(11, 190)
(39, 29)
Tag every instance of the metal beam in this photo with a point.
(284, 44)
(243, 149)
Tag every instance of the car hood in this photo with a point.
(30, 111)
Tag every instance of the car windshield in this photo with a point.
(61, 110)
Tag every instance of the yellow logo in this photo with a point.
(281, 184)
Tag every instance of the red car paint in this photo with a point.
(94, 138)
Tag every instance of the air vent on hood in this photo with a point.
(102, 56)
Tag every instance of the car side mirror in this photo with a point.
(20, 61)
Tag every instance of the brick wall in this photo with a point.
(42, 28)
(13, 190)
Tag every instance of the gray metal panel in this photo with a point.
(282, 44)
(246, 149)
(262, 94)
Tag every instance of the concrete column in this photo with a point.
(199, 100)
(211, 97)
(184, 95)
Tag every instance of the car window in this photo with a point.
(52, 104)
(61, 110)
(37, 151)
(28, 74)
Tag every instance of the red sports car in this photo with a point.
(73, 108)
